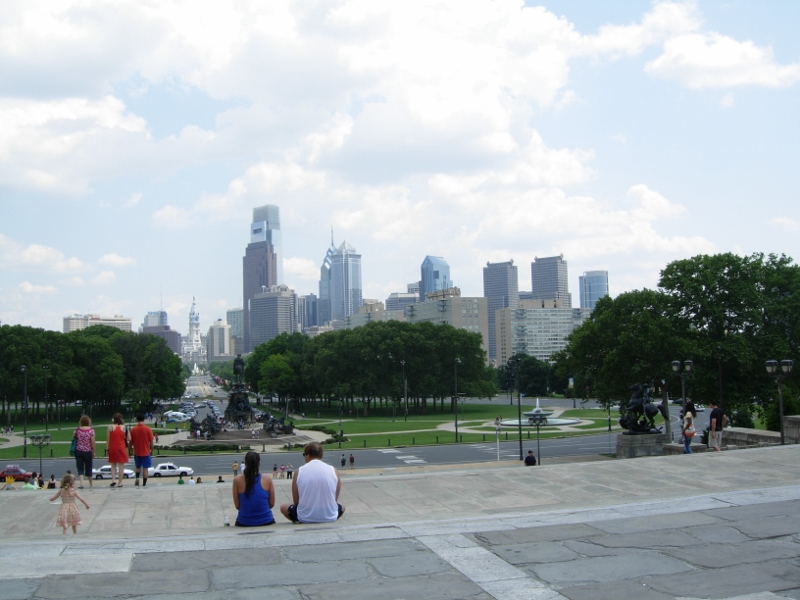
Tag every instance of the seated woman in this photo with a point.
(253, 494)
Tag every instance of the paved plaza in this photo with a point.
(715, 525)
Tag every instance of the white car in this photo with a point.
(169, 470)
(105, 473)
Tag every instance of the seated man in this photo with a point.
(315, 490)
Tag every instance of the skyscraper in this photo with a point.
(434, 276)
(593, 286)
(262, 265)
(501, 290)
(549, 280)
(273, 312)
(324, 300)
(345, 282)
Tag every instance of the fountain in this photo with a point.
(542, 416)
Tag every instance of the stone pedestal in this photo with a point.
(647, 444)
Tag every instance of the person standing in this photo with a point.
(688, 430)
(235, 468)
(289, 471)
(142, 440)
(343, 460)
(315, 490)
(715, 423)
(530, 460)
(84, 449)
(352, 461)
(117, 448)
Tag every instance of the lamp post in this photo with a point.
(455, 396)
(537, 419)
(46, 400)
(405, 389)
(779, 376)
(682, 370)
(39, 440)
(515, 360)
(24, 370)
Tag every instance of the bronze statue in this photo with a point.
(238, 368)
(638, 416)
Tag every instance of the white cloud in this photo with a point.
(649, 205)
(15, 256)
(173, 217)
(712, 60)
(104, 278)
(115, 260)
(28, 288)
(303, 269)
(728, 100)
(787, 223)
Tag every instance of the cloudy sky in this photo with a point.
(136, 138)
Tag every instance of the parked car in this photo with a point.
(169, 470)
(104, 472)
(15, 471)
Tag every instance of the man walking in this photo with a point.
(142, 440)
(315, 490)
(715, 421)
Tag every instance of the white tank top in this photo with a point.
(316, 484)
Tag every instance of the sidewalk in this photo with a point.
(715, 525)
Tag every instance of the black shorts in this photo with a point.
(83, 463)
(292, 510)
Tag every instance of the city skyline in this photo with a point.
(138, 141)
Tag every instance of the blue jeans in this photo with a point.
(687, 445)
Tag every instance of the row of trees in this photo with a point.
(99, 366)
(369, 364)
(726, 313)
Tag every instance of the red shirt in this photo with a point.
(141, 438)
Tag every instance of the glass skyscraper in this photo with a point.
(262, 264)
(345, 278)
(501, 290)
(593, 286)
(549, 280)
(434, 276)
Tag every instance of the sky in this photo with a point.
(136, 138)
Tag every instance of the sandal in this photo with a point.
(113, 484)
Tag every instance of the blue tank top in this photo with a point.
(255, 510)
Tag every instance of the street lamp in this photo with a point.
(515, 360)
(537, 419)
(405, 389)
(24, 370)
(40, 439)
(46, 399)
(455, 397)
(684, 375)
(779, 376)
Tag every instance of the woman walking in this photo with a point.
(117, 449)
(688, 429)
(84, 449)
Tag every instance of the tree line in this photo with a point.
(98, 366)
(728, 314)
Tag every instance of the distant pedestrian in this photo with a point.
(235, 468)
(716, 423)
(530, 460)
(275, 471)
(289, 471)
(352, 461)
(241, 468)
(283, 471)
(343, 461)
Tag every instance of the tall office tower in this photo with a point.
(593, 286)
(434, 276)
(155, 319)
(345, 282)
(413, 287)
(172, 338)
(273, 311)
(262, 263)
(324, 301)
(234, 317)
(218, 341)
(309, 307)
(501, 290)
(549, 279)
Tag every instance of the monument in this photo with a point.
(641, 436)
(238, 408)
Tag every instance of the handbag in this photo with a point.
(73, 447)
(690, 431)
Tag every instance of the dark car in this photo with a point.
(16, 472)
